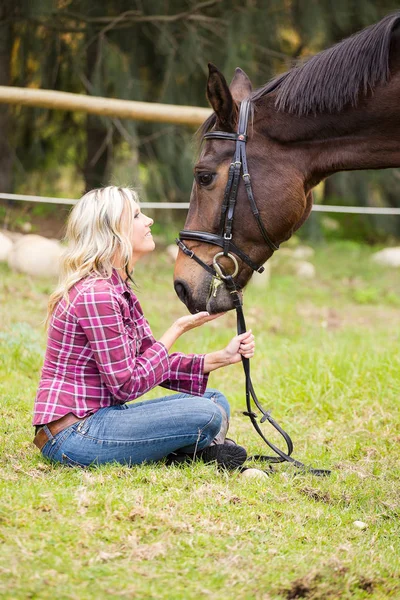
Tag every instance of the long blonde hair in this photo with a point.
(95, 236)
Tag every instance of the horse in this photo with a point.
(339, 111)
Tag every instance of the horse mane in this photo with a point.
(205, 127)
(337, 76)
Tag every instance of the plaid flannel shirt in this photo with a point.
(101, 352)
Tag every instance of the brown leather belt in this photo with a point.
(41, 438)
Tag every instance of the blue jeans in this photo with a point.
(140, 432)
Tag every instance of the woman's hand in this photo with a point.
(184, 324)
(189, 322)
(240, 345)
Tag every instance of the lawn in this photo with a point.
(327, 363)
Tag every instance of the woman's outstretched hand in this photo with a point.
(184, 324)
(189, 322)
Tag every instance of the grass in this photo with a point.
(328, 364)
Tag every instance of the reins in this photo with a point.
(237, 167)
(251, 396)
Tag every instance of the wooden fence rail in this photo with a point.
(108, 107)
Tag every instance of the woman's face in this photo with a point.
(140, 234)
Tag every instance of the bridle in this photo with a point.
(229, 250)
(224, 237)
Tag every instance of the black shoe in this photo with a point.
(176, 459)
(227, 456)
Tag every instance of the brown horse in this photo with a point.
(339, 111)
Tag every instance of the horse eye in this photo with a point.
(205, 179)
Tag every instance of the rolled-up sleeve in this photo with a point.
(126, 375)
(186, 370)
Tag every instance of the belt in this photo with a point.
(41, 437)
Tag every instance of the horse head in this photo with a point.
(338, 111)
(277, 184)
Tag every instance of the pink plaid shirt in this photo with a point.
(101, 352)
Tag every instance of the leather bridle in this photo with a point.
(224, 237)
(230, 250)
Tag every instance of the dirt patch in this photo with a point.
(328, 584)
(316, 495)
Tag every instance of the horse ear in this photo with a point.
(240, 87)
(220, 97)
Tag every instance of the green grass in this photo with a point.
(328, 364)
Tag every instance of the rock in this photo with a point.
(261, 280)
(304, 270)
(254, 474)
(14, 236)
(360, 524)
(172, 251)
(5, 247)
(330, 224)
(389, 257)
(303, 252)
(36, 256)
(26, 227)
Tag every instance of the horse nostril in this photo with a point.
(182, 291)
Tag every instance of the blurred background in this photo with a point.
(157, 51)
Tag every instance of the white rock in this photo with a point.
(303, 252)
(304, 270)
(261, 280)
(14, 236)
(36, 256)
(5, 247)
(360, 524)
(330, 224)
(389, 257)
(254, 474)
(172, 251)
(26, 227)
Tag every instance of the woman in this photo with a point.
(101, 354)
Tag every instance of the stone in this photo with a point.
(303, 252)
(26, 227)
(14, 236)
(5, 247)
(330, 224)
(304, 270)
(36, 256)
(254, 474)
(388, 257)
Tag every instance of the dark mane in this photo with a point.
(337, 76)
(205, 127)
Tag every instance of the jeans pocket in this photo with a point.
(66, 460)
(82, 428)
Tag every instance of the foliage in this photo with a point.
(158, 51)
(327, 363)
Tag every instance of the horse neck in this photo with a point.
(363, 137)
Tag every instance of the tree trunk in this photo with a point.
(6, 156)
(98, 147)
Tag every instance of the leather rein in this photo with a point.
(230, 250)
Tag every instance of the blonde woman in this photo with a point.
(101, 355)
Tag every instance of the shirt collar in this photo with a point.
(119, 284)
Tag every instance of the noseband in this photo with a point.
(230, 250)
